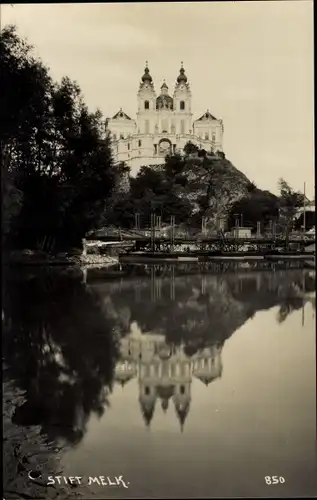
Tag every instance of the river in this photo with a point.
(162, 382)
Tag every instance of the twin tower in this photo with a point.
(163, 125)
(181, 100)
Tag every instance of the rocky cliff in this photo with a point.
(213, 186)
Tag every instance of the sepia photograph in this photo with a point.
(158, 250)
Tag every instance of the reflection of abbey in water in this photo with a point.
(165, 372)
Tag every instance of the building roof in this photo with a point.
(121, 114)
(206, 116)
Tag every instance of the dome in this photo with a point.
(164, 352)
(165, 392)
(146, 78)
(164, 101)
(182, 78)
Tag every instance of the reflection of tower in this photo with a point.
(167, 375)
(207, 364)
(181, 399)
(147, 399)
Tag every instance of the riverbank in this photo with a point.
(25, 450)
(33, 258)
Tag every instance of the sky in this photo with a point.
(249, 63)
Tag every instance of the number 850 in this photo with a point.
(274, 479)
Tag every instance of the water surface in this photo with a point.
(187, 382)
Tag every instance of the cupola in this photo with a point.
(182, 78)
(146, 78)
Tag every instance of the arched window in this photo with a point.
(147, 390)
(206, 137)
(182, 105)
(146, 105)
(182, 389)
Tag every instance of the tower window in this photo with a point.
(128, 145)
(182, 105)
(140, 143)
(182, 389)
(213, 137)
(147, 391)
(146, 105)
(206, 137)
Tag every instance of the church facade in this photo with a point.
(163, 125)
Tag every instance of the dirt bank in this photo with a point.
(25, 450)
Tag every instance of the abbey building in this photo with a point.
(163, 125)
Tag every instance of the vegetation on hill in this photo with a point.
(201, 184)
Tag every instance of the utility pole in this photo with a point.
(203, 225)
(304, 213)
(236, 220)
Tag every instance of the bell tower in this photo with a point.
(183, 103)
(146, 93)
(146, 103)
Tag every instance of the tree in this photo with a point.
(58, 150)
(290, 201)
(258, 206)
(190, 148)
(251, 187)
(60, 348)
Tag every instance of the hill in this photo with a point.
(198, 184)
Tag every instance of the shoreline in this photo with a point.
(25, 449)
(34, 259)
